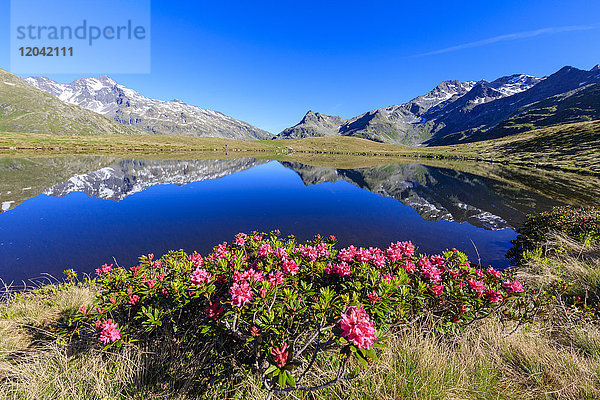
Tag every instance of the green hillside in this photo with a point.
(24, 108)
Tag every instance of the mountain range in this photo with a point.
(126, 106)
(459, 112)
(453, 112)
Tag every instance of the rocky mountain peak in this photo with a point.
(105, 96)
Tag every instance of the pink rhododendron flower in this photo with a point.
(363, 255)
(454, 273)
(157, 264)
(110, 331)
(513, 287)
(196, 260)
(409, 266)
(379, 259)
(494, 273)
(133, 299)
(257, 238)
(438, 261)
(437, 289)
(251, 274)
(113, 299)
(357, 328)
(322, 250)
(214, 310)
(150, 283)
(373, 298)
(479, 273)
(331, 238)
(400, 250)
(477, 286)
(493, 296)
(290, 267)
(150, 256)
(199, 277)
(241, 293)
(347, 254)
(276, 278)
(83, 310)
(431, 272)
(104, 269)
(340, 269)
(462, 308)
(221, 251)
(309, 252)
(280, 355)
(135, 269)
(282, 253)
(240, 239)
(388, 277)
(264, 250)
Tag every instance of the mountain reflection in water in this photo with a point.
(371, 206)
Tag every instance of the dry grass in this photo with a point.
(564, 258)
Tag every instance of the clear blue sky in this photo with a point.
(269, 62)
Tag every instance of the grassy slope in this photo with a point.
(573, 147)
(24, 108)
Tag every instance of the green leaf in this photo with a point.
(271, 369)
(282, 380)
(291, 379)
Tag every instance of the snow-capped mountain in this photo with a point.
(126, 106)
(412, 122)
(455, 111)
(127, 177)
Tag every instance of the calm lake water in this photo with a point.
(79, 213)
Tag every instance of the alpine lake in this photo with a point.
(79, 212)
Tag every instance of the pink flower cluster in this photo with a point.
(196, 260)
(199, 277)
(133, 299)
(104, 269)
(431, 270)
(280, 355)
(340, 269)
(513, 287)
(110, 331)
(399, 250)
(251, 274)
(313, 253)
(241, 293)
(477, 286)
(240, 239)
(357, 328)
(347, 254)
(264, 250)
(276, 278)
(290, 267)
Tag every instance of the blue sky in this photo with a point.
(269, 62)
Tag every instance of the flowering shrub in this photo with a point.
(578, 223)
(282, 305)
